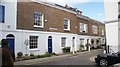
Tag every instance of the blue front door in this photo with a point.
(49, 46)
(11, 45)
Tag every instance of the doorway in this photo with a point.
(10, 38)
(50, 44)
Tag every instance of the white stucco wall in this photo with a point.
(119, 36)
(10, 15)
(22, 35)
(111, 9)
(112, 29)
(112, 35)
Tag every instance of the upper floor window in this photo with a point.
(33, 41)
(38, 19)
(66, 24)
(63, 41)
(2, 14)
(102, 32)
(83, 27)
(119, 9)
(94, 29)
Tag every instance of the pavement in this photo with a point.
(53, 58)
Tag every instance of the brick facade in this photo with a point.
(54, 19)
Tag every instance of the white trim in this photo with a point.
(34, 49)
(38, 26)
(103, 32)
(10, 37)
(44, 32)
(111, 21)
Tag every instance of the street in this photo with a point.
(82, 59)
(85, 59)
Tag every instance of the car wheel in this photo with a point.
(103, 62)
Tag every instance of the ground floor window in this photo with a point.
(63, 41)
(33, 42)
(81, 41)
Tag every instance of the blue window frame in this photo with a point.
(2, 13)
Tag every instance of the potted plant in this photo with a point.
(19, 54)
(66, 49)
(97, 41)
(92, 41)
(87, 46)
(81, 47)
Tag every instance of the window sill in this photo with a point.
(33, 49)
(38, 26)
(66, 29)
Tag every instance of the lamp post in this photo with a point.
(73, 45)
(26, 43)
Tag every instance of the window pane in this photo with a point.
(2, 13)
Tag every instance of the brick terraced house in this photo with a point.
(37, 27)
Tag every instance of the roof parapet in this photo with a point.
(89, 19)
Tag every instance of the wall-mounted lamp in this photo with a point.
(46, 20)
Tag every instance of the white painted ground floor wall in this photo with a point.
(113, 35)
(22, 35)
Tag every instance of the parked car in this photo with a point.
(108, 59)
(116, 65)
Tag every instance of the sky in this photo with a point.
(91, 8)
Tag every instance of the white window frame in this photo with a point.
(82, 41)
(63, 44)
(36, 19)
(103, 32)
(68, 24)
(84, 27)
(33, 42)
(95, 29)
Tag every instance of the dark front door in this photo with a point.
(50, 46)
(11, 46)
